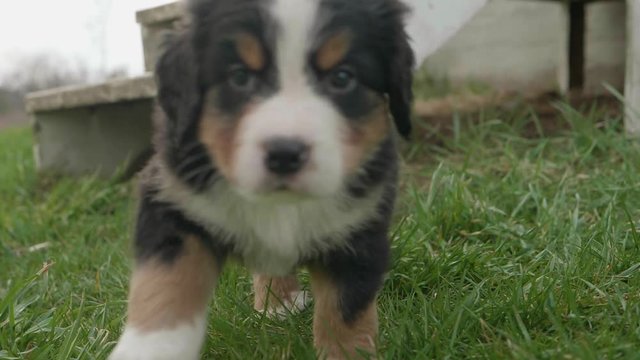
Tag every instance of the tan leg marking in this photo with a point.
(273, 291)
(334, 338)
(164, 296)
(333, 50)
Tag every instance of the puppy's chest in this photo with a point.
(274, 238)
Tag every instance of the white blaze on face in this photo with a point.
(295, 19)
(295, 111)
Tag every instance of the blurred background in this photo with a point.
(527, 47)
(516, 233)
(46, 44)
(510, 50)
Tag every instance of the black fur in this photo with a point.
(401, 77)
(381, 54)
(381, 168)
(198, 61)
(358, 270)
(181, 100)
(161, 230)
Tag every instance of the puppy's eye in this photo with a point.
(241, 79)
(342, 80)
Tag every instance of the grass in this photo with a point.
(509, 243)
(429, 86)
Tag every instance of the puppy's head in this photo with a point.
(284, 96)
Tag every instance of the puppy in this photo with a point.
(275, 147)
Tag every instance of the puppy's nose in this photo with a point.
(286, 156)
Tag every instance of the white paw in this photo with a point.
(299, 301)
(183, 343)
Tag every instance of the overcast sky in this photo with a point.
(102, 34)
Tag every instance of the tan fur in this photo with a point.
(334, 338)
(250, 51)
(272, 292)
(165, 295)
(333, 51)
(364, 136)
(218, 134)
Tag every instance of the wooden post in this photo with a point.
(577, 19)
(632, 89)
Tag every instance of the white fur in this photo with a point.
(300, 115)
(295, 112)
(272, 237)
(273, 234)
(296, 19)
(183, 342)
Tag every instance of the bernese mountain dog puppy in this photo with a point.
(276, 147)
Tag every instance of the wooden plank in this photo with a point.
(632, 89)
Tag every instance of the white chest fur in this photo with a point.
(272, 238)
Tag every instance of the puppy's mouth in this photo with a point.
(287, 187)
(274, 189)
(282, 195)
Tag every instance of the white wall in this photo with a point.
(512, 45)
(632, 89)
(523, 46)
(605, 46)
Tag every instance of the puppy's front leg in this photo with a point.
(345, 285)
(337, 336)
(279, 296)
(167, 304)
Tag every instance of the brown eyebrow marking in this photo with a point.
(250, 51)
(333, 50)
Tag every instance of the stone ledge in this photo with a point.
(111, 92)
(169, 12)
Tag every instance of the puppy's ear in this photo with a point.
(176, 76)
(401, 83)
(400, 74)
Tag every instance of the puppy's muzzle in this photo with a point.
(286, 156)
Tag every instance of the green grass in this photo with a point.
(430, 86)
(509, 243)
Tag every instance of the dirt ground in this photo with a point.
(436, 114)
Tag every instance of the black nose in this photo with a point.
(286, 156)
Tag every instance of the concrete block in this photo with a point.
(78, 96)
(510, 45)
(632, 89)
(605, 42)
(103, 129)
(156, 23)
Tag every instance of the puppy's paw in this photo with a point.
(182, 343)
(296, 302)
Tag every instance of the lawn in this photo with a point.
(510, 241)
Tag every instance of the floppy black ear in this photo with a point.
(176, 76)
(401, 82)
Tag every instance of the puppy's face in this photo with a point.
(293, 96)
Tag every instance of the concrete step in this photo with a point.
(155, 24)
(100, 129)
